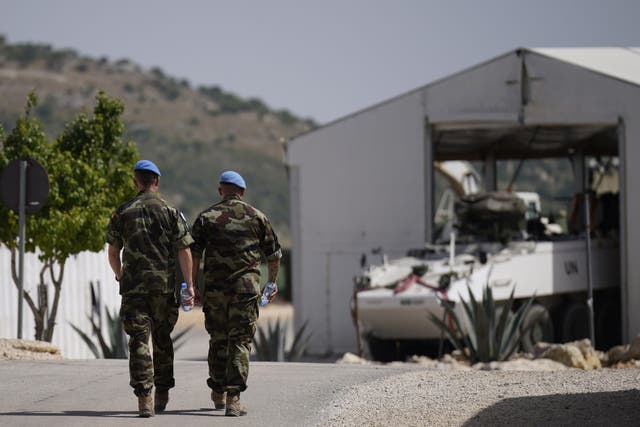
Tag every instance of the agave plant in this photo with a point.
(494, 331)
(269, 342)
(117, 346)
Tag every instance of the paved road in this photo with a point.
(96, 393)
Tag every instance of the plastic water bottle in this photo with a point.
(269, 289)
(184, 296)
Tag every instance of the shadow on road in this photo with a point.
(618, 408)
(110, 414)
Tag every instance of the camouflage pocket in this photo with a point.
(244, 311)
(136, 324)
(133, 314)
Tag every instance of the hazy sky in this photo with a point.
(321, 59)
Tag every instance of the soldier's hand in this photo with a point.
(198, 297)
(187, 299)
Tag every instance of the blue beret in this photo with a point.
(231, 177)
(147, 165)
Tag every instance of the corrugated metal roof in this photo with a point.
(622, 63)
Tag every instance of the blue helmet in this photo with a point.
(232, 177)
(147, 165)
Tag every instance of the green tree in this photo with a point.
(5, 231)
(25, 140)
(89, 168)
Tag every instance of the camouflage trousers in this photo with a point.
(155, 316)
(230, 319)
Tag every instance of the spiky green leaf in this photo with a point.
(489, 336)
(298, 346)
(97, 331)
(179, 338)
(453, 338)
(87, 341)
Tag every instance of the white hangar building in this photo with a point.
(366, 180)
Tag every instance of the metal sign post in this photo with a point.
(22, 226)
(31, 194)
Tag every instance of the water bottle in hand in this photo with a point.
(269, 289)
(184, 297)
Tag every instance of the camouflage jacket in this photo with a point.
(233, 236)
(150, 232)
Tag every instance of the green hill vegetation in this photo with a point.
(192, 133)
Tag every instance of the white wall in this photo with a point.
(361, 185)
(487, 92)
(631, 206)
(75, 298)
(565, 94)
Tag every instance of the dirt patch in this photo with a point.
(14, 349)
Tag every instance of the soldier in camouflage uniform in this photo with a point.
(150, 233)
(234, 237)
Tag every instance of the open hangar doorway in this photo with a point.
(559, 164)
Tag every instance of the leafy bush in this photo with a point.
(27, 53)
(494, 332)
(56, 59)
(169, 88)
(128, 88)
(286, 118)
(258, 106)
(229, 103)
(82, 67)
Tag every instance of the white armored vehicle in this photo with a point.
(497, 239)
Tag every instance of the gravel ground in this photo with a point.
(569, 397)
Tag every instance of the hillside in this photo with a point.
(192, 133)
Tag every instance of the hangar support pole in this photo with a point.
(624, 285)
(577, 159)
(429, 182)
(490, 172)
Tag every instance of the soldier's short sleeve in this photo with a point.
(114, 236)
(270, 245)
(199, 238)
(182, 237)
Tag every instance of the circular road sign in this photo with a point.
(37, 186)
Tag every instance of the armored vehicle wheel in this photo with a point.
(382, 350)
(537, 326)
(575, 322)
(608, 321)
(390, 350)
